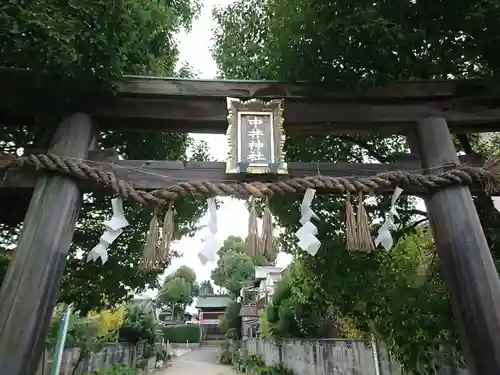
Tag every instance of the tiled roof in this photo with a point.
(213, 301)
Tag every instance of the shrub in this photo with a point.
(230, 322)
(182, 333)
(116, 370)
(254, 365)
(138, 325)
(225, 355)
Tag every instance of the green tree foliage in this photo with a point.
(188, 275)
(80, 50)
(234, 266)
(182, 333)
(232, 271)
(206, 288)
(116, 370)
(230, 322)
(92, 43)
(178, 290)
(83, 333)
(293, 315)
(138, 325)
(280, 315)
(233, 243)
(87, 283)
(176, 293)
(361, 44)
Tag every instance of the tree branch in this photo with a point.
(369, 148)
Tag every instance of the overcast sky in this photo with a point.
(232, 216)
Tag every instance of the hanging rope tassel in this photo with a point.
(167, 235)
(268, 249)
(350, 225)
(253, 235)
(365, 241)
(149, 254)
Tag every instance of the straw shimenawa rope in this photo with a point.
(267, 242)
(488, 175)
(150, 255)
(253, 240)
(167, 235)
(350, 225)
(365, 241)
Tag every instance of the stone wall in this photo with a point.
(330, 357)
(107, 357)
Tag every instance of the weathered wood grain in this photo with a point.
(209, 115)
(467, 267)
(155, 174)
(108, 155)
(16, 194)
(192, 106)
(300, 90)
(29, 290)
(27, 81)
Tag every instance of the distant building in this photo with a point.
(165, 317)
(193, 320)
(254, 298)
(210, 309)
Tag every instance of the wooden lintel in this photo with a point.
(399, 90)
(199, 106)
(209, 115)
(19, 79)
(152, 175)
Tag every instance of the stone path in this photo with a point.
(200, 361)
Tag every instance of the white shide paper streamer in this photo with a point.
(308, 232)
(113, 228)
(211, 244)
(384, 236)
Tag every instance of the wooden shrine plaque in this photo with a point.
(256, 137)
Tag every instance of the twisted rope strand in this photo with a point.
(488, 175)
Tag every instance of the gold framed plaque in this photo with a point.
(256, 137)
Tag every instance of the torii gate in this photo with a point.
(419, 109)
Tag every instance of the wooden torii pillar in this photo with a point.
(467, 267)
(31, 285)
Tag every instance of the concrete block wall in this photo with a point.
(318, 357)
(330, 357)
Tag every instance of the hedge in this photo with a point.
(182, 333)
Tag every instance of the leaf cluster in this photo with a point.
(79, 52)
(83, 332)
(359, 44)
(230, 322)
(234, 266)
(138, 325)
(178, 290)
